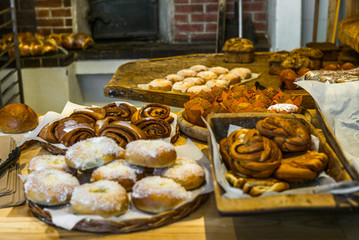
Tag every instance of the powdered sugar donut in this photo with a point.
(93, 152)
(181, 86)
(187, 73)
(219, 70)
(195, 80)
(150, 153)
(184, 171)
(105, 198)
(119, 171)
(199, 68)
(174, 78)
(198, 89)
(217, 83)
(42, 162)
(50, 187)
(156, 194)
(207, 75)
(160, 84)
(283, 108)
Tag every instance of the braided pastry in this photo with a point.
(304, 167)
(251, 154)
(290, 134)
(154, 128)
(120, 110)
(153, 110)
(71, 130)
(120, 131)
(48, 132)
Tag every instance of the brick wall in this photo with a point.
(196, 20)
(53, 16)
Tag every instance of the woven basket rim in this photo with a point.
(125, 226)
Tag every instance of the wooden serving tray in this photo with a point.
(219, 123)
(125, 80)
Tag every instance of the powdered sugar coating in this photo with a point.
(50, 186)
(42, 162)
(89, 153)
(162, 187)
(198, 89)
(286, 107)
(104, 195)
(148, 148)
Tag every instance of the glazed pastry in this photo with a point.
(290, 134)
(160, 84)
(302, 168)
(48, 132)
(187, 73)
(153, 110)
(174, 78)
(121, 131)
(71, 130)
(197, 89)
(243, 73)
(219, 70)
(207, 75)
(42, 162)
(283, 108)
(217, 83)
(230, 78)
(154, 128)
(199, 68)
(194, 80)
(91, 113)
(181, 87)
(120, 110)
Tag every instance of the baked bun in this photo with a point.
(174, 78)
(93, 152)
(302, 168)
(181, 87)
(207, 75)
(42, 162)
(218, 83)
(230, 78)
(219, 70)
(199, 68)
(290, 134)
(198, 89)
(195, 80)
(50, 187)
(243, 73)
(184, 171)
(187, 73)
(105, 198)
(17, 117)
(119, 171)
(156, 194)
(150, 153)
(160, 84)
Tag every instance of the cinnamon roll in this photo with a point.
(154, 128)
(48, 132)
(120, 110)
(91, 113)
(153, 110)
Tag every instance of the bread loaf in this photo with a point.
(17, 117)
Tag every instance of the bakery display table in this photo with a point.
(124, 82)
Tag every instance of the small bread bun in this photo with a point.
(42, 162)
(217, 83)
(174, 78)
(181, 87)
(160, 84)
(219, 70)
(184, 171)
(17, 117)
(119, 171)
(207, 75)
(150, 153)
(50, 187)
(230, 78)
(243, 73)
(199, 68)
(93, 152)
(187, 73)
(156, 194)
(198, 89)
(105, 198)
(195, 80)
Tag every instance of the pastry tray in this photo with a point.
(219, 124)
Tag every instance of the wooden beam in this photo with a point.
(315, 23)
(221, 25)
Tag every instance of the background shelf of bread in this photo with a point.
(37, 44)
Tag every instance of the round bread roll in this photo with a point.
(42, 162)
(93, 152)
(17, 117)
(243, 73)
(120, 171)
(219, 70)
(199, 68)
(105, 198)
(207, 75)
(194, 80)
(50, 187)
(181, 87)
(187, 73)
(156, 194)
(184, 171)
(230, 78)
(198, 89)
(174, 78)
(160, 84)
(217, 83)
(150, 153)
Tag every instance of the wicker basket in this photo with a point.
(126, 226)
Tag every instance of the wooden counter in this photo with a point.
(205, 223)
(124, 82)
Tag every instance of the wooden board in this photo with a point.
(124, 82)
(241, 206)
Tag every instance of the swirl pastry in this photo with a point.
(120, 110)
(48, 132)
(290, 134)
(251, 154)
(74, 129)
(121, 131)
(154, 128)
(153, 110)
(91, 113)
(302, 168)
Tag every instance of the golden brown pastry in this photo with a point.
(17, 117)
(154, 128)
(120, 110)
(48, 132)
(153, 110)
(160, 84)
(302, 168)
(91, 113)
(290, 134)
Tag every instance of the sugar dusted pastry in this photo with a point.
(199, 68)
(230, 78)
(219, 70)
(198, 89)
(283, 108)
(160, 84)
(187, 73)
(174, 78)
(243, 73)
(207, 75)
(181, 87)
(218, 83)
(195, 80)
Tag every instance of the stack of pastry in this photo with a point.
(148, 170)
(271, 157)
(199, 78)
(120, 121)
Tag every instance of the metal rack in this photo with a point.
(11, 89)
